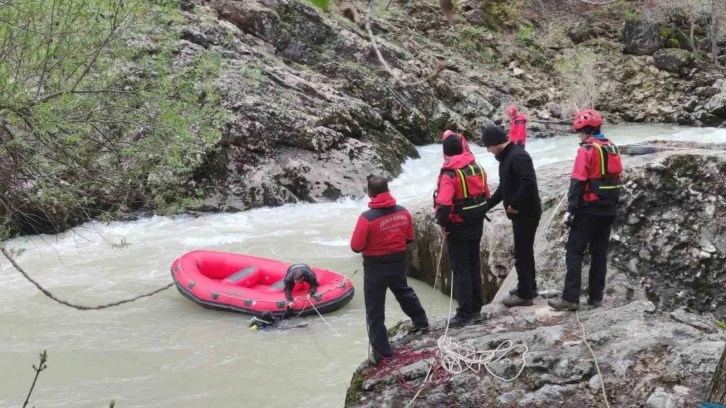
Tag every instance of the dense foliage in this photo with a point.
(93, 117)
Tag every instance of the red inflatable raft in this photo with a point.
(252, 285)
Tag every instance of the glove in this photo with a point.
(569, 219)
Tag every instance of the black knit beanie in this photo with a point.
(493, 136)
(452, 146)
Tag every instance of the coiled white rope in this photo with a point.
(458, 358)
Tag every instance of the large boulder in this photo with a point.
(641, 38)
(717, 105)
(559, 368)
(495, 252)
(673, 59)
(670, 235)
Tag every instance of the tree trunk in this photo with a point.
(717, 390)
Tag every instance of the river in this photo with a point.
(166, 351)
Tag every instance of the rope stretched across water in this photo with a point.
(47, 293)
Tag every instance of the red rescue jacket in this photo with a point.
(596, 178)
(383, 231)
(462, 184)
(518, 130)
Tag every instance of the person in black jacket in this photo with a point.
(298, 273)
(518, 189)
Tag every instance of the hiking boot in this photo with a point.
(513, 292)
(514, 300)
(476, 317)
(375, 359)
(594, 303)
(420, 329)
(458, 321)
(562, 304)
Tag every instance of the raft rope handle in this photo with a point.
(47, 293)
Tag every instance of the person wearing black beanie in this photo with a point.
(518, 190)
(493, 136)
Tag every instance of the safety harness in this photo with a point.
(470, 207)
(607, 186)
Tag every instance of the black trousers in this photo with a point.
(377, 279)
(465, 261)
(593, 231)
(525, 229)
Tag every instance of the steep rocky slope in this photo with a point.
(644, 357)
(312, 112)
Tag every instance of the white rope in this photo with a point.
(326, 322)
(436, 279)
(457, 357)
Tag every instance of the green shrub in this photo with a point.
(525, 33)
(92, 110)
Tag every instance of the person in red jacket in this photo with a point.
(592, 206)
(517, 126)
(382, 234)
(460, 203)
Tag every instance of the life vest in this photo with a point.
(471, 205)
(604, 189)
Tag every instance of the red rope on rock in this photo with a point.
(404, 357)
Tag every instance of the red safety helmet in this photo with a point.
(512, 112)
(587, 117)
(447, 134)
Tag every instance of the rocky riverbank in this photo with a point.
(306, 110)
(646, 358)
(657, 337)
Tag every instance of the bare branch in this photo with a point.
(47, 52)
(440, 66)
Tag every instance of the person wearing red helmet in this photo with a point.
(517, 126)
(460, 204)
(464, 144)
(592, 205)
